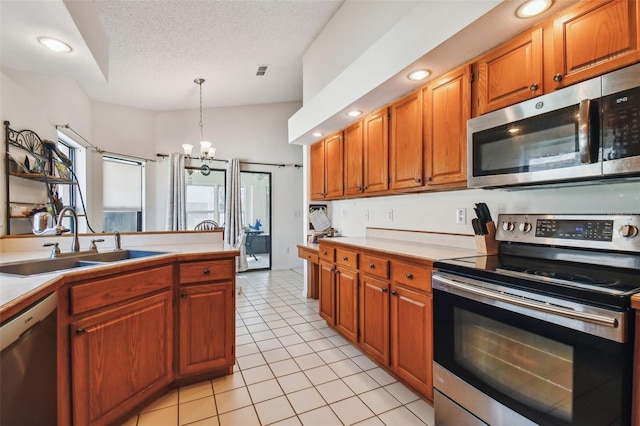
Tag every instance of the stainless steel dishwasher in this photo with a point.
(28, 366)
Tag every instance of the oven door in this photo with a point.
(549, 139)
(550, 374)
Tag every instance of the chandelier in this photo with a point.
(207, 153)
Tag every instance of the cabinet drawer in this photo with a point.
(347, 258)
(209, 270)
(307, 254)
(374, 266)
(417, 276)
(327, 253)
(100, 293)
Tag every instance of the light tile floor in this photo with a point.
(291, 369)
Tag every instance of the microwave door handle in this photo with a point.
(584, 131)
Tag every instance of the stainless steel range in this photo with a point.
(541, 333)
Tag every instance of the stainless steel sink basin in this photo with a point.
(42, 266)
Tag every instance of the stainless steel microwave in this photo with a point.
(583, 132)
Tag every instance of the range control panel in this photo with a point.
(607, 232)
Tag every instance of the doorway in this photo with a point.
(255, 193)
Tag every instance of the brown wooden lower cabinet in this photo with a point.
(119, 357)
(207, 329)
(636, 368)
(119, 339)
(392, 316)
(412, 338)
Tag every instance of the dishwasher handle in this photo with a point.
(14, 328)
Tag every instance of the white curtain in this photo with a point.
(176, 194)
(233, 229)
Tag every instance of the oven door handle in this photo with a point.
(542, 307)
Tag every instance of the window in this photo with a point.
(66, 192)
(122, 194)
(205, 197)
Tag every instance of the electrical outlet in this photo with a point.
(344, 214)
(286, 250)
(390, 215)
(366, 215)
(461, 216)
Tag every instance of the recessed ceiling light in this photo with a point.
(418, 75)
(533, 8)
(55, 45)
(316, 134)
(354, 113)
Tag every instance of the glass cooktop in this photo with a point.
(598, 283)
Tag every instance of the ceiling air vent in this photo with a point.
(262, 70)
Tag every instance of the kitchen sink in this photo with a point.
(43, 266)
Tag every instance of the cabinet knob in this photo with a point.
(427, 178)
(533, 87)
(409, 276)
(184, 295)
(372, 266)
(394, 293)
(365, 187)
(345, 258)
(557, 77)
(81, 331)
(324, 253)
(417, 180)
(384, 289)
(206, 271)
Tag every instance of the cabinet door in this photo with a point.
(353, 160)
(376, 151)
(109, 346)
(327, 293)
(446, 111)
(593, 38)
(316, 176)
(347, 303)
(405, 142)
(333, 166)
(509, 74)
(374, 318)
(412, 338)
(207, 327)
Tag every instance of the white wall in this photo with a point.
(255, 133)
(435, 212)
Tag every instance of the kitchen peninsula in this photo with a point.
(129, 330)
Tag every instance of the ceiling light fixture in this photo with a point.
(55, 45)
(207, 153)
(316, 134)
(418, 75)
(354, 113)
(532, 8)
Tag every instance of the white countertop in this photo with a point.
(14, 288)
(431, 252)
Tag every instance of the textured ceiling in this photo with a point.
(157, 48)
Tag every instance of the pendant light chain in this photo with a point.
(199, 82)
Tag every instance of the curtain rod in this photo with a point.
(97, 149)
(297, 166)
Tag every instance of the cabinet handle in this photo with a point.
(409, 276)
(384, 289)
(427, 178)
(365, 187)
(417, 180)
(533, 87)
(372, 266)
(324, 253)
(345, 258)
(394, 293)
(81, 331)
(184, 295)
(206, 271)
(557, 77)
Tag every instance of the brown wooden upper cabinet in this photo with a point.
(509, 74)
(405, 142)
(592, 38)
(446, 110)
(353, 160)
(376, 151)
(326, 168)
